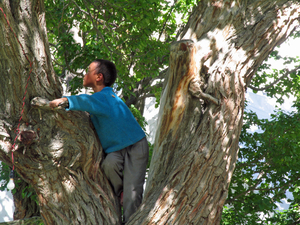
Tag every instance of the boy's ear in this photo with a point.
(99, 77)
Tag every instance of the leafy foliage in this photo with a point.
(142, 121)
(287, 217)
(4, 176)
(27, 192)
(283, 82)
(134, 35)
(268, 170)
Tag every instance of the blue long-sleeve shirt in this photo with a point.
(114, 123)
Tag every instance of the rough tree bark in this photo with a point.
(200, 118)
(62, 161)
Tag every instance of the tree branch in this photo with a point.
(274, 188)
(169, 13)
(288, 72)
(99, 33)
(259, 178)
(250, 163)
(102, 22)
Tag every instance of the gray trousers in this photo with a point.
(126, 170)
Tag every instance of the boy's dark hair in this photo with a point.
(108, 69)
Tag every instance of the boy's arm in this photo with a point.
(55, 103)
(82, 102)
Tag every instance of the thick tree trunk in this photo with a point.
(201, 112)
(199, 123)
(61, 160)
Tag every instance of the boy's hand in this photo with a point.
(55, 103)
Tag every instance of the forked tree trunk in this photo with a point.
(200, 118)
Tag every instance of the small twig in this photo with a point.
(98, 20)
(196, 91)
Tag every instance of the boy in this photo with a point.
(122, 139)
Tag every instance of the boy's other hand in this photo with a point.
(55, 103)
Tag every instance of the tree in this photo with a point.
(210, 67)
(267, 171)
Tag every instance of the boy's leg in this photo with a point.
(112, 166)
(135, 165)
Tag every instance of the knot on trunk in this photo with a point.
(27, 137)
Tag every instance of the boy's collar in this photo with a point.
(106, 88)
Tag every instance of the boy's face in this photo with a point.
(90, 78)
